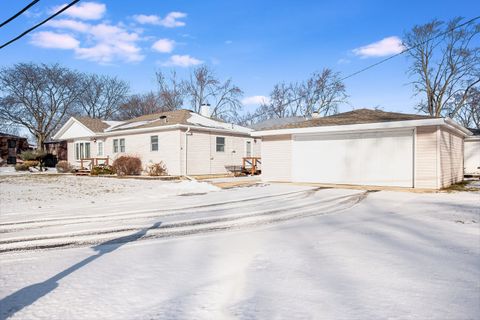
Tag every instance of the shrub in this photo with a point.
(157, 169)
(32, 155)
(96, 170)
(64, 167)
(35, 155)
(127, 165)
(26, 165)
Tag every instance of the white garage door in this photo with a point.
(370, 158)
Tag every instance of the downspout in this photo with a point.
(185, 173)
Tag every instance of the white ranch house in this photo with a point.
(188, 143)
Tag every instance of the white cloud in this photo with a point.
(106, 43)
(68, 24)
(255, 100)
(384, 47)
(182, 61)
(84, 10)
(170, 21)
(163, 45)
(52, 40)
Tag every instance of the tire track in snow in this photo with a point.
(5, 226)
(189, 227)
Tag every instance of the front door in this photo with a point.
(248, 149)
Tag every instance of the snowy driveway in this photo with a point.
(267, 251)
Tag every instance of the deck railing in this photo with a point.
(93, 162)
(253, 164)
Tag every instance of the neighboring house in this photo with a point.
(472, 154)
(188, 143)
(366, 147)
(57, 151)
(10, 147)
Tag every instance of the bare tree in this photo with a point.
(322, 93)
(445, 64)
(170, 91)
(37, 97)
(204, 87)
(140, 104)
(226, 102)
(102, 95)
(469, 114)
(200, 87)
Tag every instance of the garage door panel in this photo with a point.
(370, 158)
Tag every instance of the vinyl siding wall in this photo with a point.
(277, 158)
(439, 158)
(451, 158)
(472, 156)
(203, 157)
(139, 144)
(426, 157)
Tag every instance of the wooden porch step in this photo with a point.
(82, 172)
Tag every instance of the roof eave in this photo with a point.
(366, 126)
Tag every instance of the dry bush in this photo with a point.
(104, 169)
(157, 169)
(26, 165)
(127, 166)
(64, 167)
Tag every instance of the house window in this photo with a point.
(154, 143)
(122, 145)
(100, 148)
(118, 145)
(220, 144)
(82, 150)
(115, 145)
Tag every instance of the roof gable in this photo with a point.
(73, 129)
(95, 125)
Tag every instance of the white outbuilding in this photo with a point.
(366, 147)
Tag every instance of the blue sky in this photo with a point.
(256, 43)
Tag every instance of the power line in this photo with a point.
(19, 13)
(39, 24)
(408, 49)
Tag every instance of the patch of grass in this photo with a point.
(461, 186)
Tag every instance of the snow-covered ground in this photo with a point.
(261, 252)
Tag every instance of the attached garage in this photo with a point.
(365, 147)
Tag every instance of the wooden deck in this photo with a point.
(86, 165)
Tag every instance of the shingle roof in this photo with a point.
(275, 123)
(96, 125)
(476, 132)
(155, 120)
(355, 117)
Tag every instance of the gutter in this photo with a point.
(366, 127)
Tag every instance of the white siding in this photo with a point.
(426, 158)
(277, 158)
(203, 157)
(472, 156)
(451, 158)
(139, 145)
(75, 130)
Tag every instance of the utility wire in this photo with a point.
(39, 24)
(408, 49)
(19, 13)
